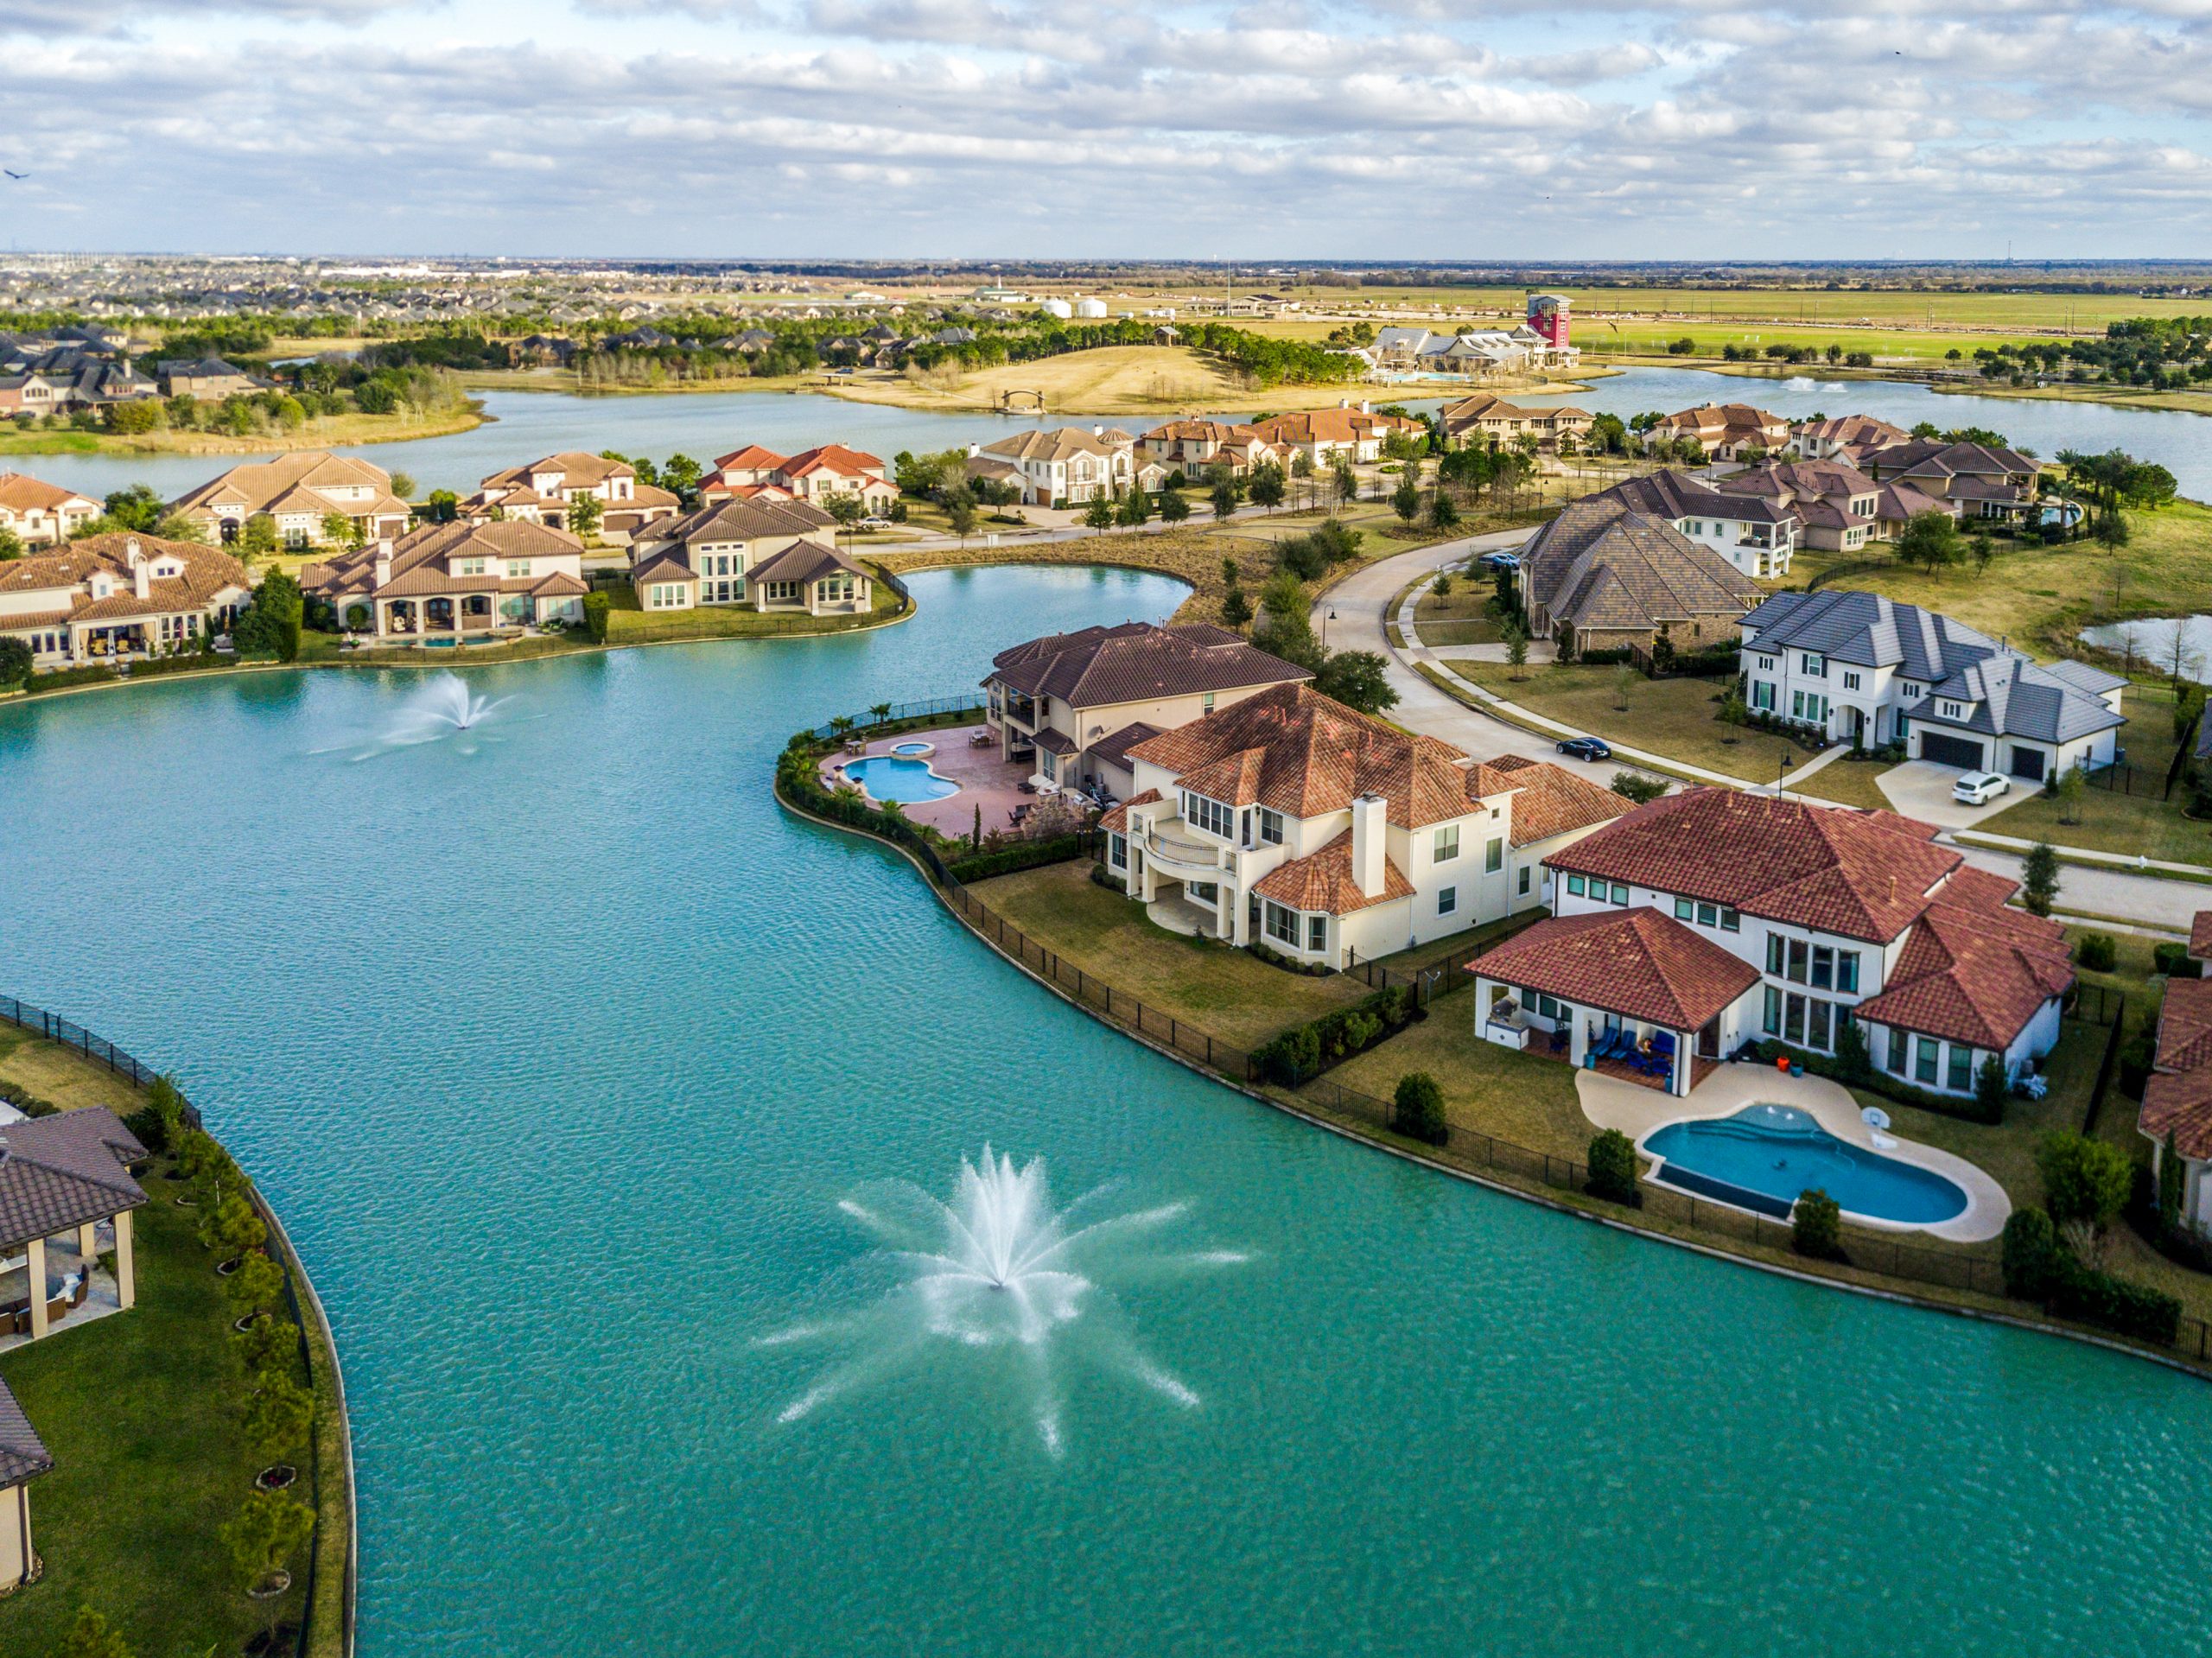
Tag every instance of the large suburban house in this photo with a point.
(40, 513)
(544, 491)
(1476, 353)
(1194, 446)
(475, 576)
(762, 552)
(1495, 422)
(206, 377)
(1977, 480)
(1066, 467)
(298, 493)
(1603, 576)
(23, 1457)
(1324, 436)
(1869, 671)
(1759, 537)
(66, 1198)
(120, 596)
(1074, 704)
(2177, 1113)
(1324, 835)
(1717, 916)
(1847, 438)
(1838, 508)
(1723, 431)
(817, 475)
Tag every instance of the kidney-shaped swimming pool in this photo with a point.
(1765, 1157)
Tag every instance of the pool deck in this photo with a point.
(1638, 1111)
(984, 780)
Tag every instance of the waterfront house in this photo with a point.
(1289, 821)
(1073, 704)
(1759, 535)
(1324, 436)
(1495, 424)
(1717, 916)
(1975, 480)
(120, 596)
(23, 1457)
(65, 1187)
(544, 491)
(818, 475)
(42, 513)
(2177, 1113)
(1869, 671)
(1192, 447)
(1602, 574)
(1847, 438)
(29, 394)
(208, 378)
(475, 577)
(1725, 431)
(760, 552)
(298, 492)
(1065, 468)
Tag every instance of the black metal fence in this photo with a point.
(69, 1034)
(927, 708)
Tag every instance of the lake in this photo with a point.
(528, 424)
(559, 1047)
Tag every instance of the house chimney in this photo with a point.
(1369, 838)
(1367, 405)
(974, 449)
(141, 575)
(384, 561)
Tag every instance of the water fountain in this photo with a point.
(999, 1274)
(441, 709)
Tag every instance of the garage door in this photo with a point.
(1950, 751)
(2027, 763)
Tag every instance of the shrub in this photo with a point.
(2029, 1253)
(1990, 1085)
(256, 1285)
(268, 1530)
(2083, 1179)
(1879, 1082)
(1027, 854)
(1635, 786)
(1417, 1108)
(596, 606)
(1816, 1226)
(2097, 951)
(2113, 1304)
(2173, 959)
(277, 1413)
(1612, 1167)
(15, 663)
(1300, 1053)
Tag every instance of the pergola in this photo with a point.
(61, 1178)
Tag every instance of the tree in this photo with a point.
(337, 529)
(1816, 1226)
(847, 509)
(1516, 647)
(2029, 1254)
(1417, 1108)
(271, 624)
(585, 515)
(1136, 509)
(1930, 538)
(2083, 1179)
(1989, 1084)
(682, 474)
(1289, 627)
(91, 1637)
(402, 486)
(1267, 487)
(1356, 678)
(1225, 497)
(257, 1285)
(136, 508)
(1173, 509)
(276, 1415)
(1100, 514)
(1612, 1167)
(596, 607)
(179, 526)
(443, 506)
(2073, 783)
(269, 1529)
(1405, 500)
(960, 512)
(15, 663)
(1624, 683)
(1443, 511)
(257, 537)
(2039, 877)
(11, 545)
(1634, 786)
(1441, 586)
(1236, 609)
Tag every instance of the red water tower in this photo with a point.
(1547, 315)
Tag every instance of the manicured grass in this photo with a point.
(1226, 992)
(61, 1075)
(1460, 617)
(2146, 821)
(1526, 1098)
(1669, 717)
(627, 624)
(1849, 783)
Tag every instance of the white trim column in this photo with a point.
(35, 1279)
(126, 1275)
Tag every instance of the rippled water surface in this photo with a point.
(560, 1047)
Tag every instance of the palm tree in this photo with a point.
(881, 710)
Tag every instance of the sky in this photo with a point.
(896, 129)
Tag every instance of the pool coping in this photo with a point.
(2202, 1372)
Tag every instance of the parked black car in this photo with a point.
(1586, 748)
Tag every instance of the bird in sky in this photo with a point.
(12, 173)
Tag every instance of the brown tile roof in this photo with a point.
(1600, 565)
(422, 560)
(21, 493)
(1863, 875)
(1137, 662)
(65, 1170)
(1332, 426)
(259, 484)
(1636, 963)
(204, 573)
(805, 560)
(738, 518)
(1552, 799)
(1316, 755)
(1117, 820)
(579, 470)
(1115, 748)
(23, 1456)
(2185, 1026)
(2180, 1106)
(1971, 974)
(2200, 934)
(1323, 881)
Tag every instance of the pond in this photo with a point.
(2153, 642)
(587, 1081)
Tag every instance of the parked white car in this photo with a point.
(1980, 787)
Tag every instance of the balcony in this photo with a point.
(1181, 855)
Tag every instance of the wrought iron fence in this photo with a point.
(961, 702)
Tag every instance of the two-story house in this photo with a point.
(449, 582)
(1869, 671)
(298, 492)
(1718, 917)
(1324, 436)
(41, 514)
(1294, 823)
(1725, 431)
(1196, 446)
(1976, 480)
(1074, 704)
(120, 595)
(1066, 467)
(1843, 437)
(1758, 536)
(544, 490)
(761, 552)
(817, 475)
(1495, 424)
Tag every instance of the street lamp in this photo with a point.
(1779, 772)
(1329, 617)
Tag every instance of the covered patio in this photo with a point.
(1630, 993)
(65, 1202)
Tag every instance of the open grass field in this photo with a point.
(323, 432)
(1111, 380)
(1228, 992)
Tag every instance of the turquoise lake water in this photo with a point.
(559, 1046)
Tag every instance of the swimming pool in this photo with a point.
(1765, 1156)
(913, 748)
(891, 777)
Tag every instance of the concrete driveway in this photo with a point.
(1921, 788)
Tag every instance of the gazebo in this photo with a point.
(63, 1179)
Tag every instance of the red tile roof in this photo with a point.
(2185, 1026)
(1551, 800)
(1636, 962)
(1323, 880)
(2200, 936)
(2181, 1107)
(1862, 874)
(1973, 975)
(1116, 822)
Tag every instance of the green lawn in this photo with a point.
(1462, 616)
(628, 624)
(2144, 821)
(1848, 782)
(1228, 992)
(1670, 717)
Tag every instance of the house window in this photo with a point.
(1763, 695)
(1924, 1059)
(1524, 881)
(469, 567)
(1812, 664)
(1270, 827)
(1793, 1019)
(1846, 971)
(1620, 893)
(1574, 886)
(1767, 663)
(1899, 1043)
(518, 567)
(1959, 1076)
(1448, 844)
(1708, 915)
(1049, 764)
(1950, 710)
(1209, 815)
(1823, 967)
(1494, 856)
(1796, 957)
(1817, 1021)
(1731, 920)
(1208, 704)
(1911, 692)
(1117, 851)
(1772, 1023)
(1447, 900)
(1684, 909)
(1282, 924)
(1316, 932)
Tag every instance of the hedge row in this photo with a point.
(1029, 855)
(1304, 1052)
(2039, 1267)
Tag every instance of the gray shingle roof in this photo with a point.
(2013, 697)
(62, 1170)
(22, 1456)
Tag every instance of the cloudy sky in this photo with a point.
(1436, 129)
